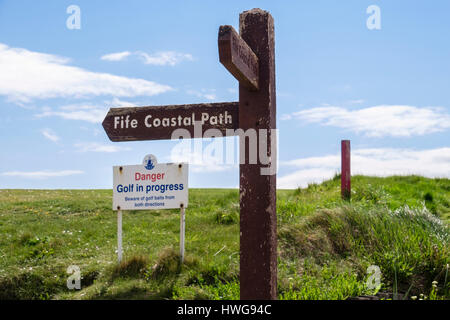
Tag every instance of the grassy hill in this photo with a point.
(400, 224)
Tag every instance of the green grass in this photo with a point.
(325, 244)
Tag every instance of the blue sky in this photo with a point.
(386, 90)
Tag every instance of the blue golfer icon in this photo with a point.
(149, 165)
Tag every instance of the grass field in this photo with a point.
(400, 224)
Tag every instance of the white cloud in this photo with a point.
(97, 147)
(379, 121)
(85, 112)
(170, 58)
(118, 56)
(50, 135)
(204, 94)
(358, 101)
(117, 103)
(27, 75)
(162, 58)
(41, 174)
(82, 112)
(374, 162)
(210, 96)
(285, 116)
(302, 178)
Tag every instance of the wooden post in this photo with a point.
(345, 170)
(182, 231)
(119, 235)
(258, 221)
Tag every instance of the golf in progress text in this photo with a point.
(163, 186)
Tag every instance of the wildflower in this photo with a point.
(414, 298)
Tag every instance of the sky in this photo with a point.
(378, 78)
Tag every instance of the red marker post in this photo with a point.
(345, 170)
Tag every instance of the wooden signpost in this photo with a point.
(250, 58)
(257, 109)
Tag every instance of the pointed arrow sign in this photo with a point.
(159, 122)
(238, 58)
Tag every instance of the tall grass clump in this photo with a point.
(410, 245)
(168, 263)
(132, 267)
